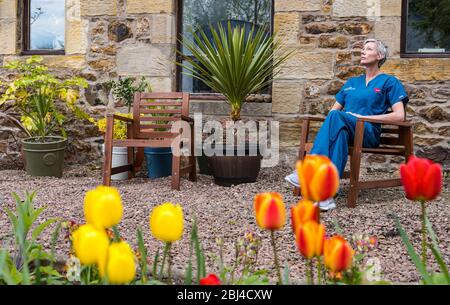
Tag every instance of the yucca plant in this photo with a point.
(236, 62)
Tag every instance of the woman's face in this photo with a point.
(369, 54)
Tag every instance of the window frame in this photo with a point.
(26, 35)
(404, 26)
(178, 57)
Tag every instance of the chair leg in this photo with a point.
(131, 173)
(176, 163)
(296, 191)
(355, 164)
(107, 162)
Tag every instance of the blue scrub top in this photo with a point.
(377, 97)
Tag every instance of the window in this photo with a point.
(43, 27)
(425, 28)
(195, 14)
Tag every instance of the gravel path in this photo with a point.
(228, 213)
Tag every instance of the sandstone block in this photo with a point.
(7, 36)
(290, 133)
(152, 7)
(8, 9)
(345, 72)
(162, 29)
(76, 36)
(354, 28)
(119, 31)
(98, 7)
(435, 114)
(366, 8)
(104, 65)
(334, 87)
(418, 69)
(287, 26)
(319, 28)
(387, 29)
(308, 65)
(297, 5)
(145, 59)
(286, 96)
(74, 62)
(329, 41)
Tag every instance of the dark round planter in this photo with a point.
(203, 165)
(44, 158)
(233, 170)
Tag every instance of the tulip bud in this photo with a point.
(269, 211)
(310, 238)
(166, 222)
(103, 207)
(121, 267)
(318, 176)
(337, 254)
(421, 179)
(211, 279)
(90, 245)
(304, 211)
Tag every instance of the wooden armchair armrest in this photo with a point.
(312, 118)
(401, 123)
(118, 117)
(187, 119)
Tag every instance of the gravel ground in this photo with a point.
(228, 213)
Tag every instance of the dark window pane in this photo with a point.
(201, 13)
(47, 24)
(428, 29)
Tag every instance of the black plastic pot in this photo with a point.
(233, 170)
(203, 165)
(44, 158)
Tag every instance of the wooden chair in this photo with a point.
(396, 139)
(153, 114)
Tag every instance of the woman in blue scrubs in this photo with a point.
(369, 95)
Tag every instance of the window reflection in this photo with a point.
(47, 24)
(200, 14)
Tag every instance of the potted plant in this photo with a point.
(236, 62)
(35, 93)
(119, 154)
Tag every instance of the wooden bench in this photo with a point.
(153, 116)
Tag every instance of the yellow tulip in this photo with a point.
(121, 267)
(318, 176)
(166, 222)
(90, 245)
(103, 207)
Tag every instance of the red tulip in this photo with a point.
(270, 211)
(337, 254)
(211, 279)
(304, 211)
(310, 238)
(421, 179)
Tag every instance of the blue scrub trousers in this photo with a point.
(337, 133)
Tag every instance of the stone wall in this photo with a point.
(110, 38)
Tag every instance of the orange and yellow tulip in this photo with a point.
(310, 238)
(304, 211)
(318, 176)
(337, 254)
(421, 179)
(270, 211)
(103, 207)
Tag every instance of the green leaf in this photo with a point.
(37, 232)
(143, 259)
(412, 253)
(286, 274)
(434, 246)
(155, 264)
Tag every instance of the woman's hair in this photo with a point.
(382, 49)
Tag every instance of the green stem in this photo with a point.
(424, 234)
(311, 271)
(116, 234)
(277, 265)
(166, 250)
(319, 271)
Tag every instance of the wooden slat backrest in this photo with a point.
(155, 112)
